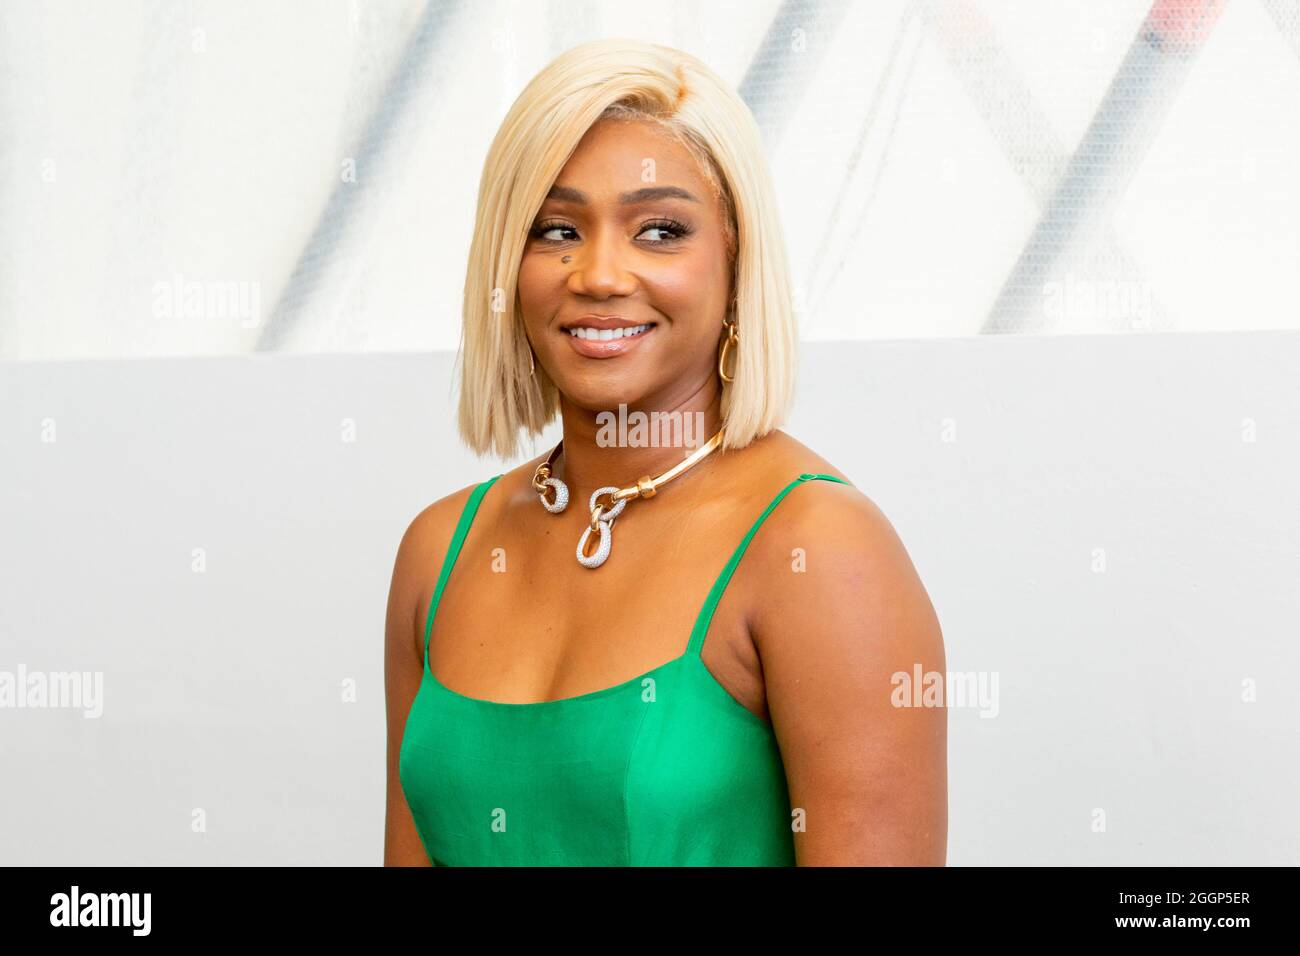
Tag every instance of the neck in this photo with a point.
(619, 446)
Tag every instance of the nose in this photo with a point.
(600, 267)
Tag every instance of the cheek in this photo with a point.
(536, 292)
(527, 283)
(686, 291)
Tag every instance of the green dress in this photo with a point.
(665, 769)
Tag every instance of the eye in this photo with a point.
(543, 231)
(675, 230)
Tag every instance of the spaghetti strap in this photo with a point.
(453, 552)
(702, 622)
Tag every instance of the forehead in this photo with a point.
(616, 155)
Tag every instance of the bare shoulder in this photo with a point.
(431, 530)
(832, 546)
(835, 512)
(420, 554)
(434, 526)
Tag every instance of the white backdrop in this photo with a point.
(1107, 523)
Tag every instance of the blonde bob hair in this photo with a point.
(621, 79)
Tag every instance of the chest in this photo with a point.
(663, 770)
(520, 621)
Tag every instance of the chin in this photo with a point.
(601, 395)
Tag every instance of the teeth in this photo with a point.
(606, 335)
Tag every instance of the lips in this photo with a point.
(605, 336)
(608, 335)
(611, 341)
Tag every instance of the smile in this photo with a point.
(596, 343)
(606, 335)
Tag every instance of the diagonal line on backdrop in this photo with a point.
(1094, 179)
(779, 74)
(341, 209)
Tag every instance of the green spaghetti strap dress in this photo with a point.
(665, 769)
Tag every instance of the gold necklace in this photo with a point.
(603, 514)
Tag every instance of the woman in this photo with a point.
(559, 694)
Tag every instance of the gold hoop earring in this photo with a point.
(532, 367)
(733, 338)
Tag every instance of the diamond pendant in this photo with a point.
(604, 527)
(561, 495)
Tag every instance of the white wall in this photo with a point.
(1119, 690)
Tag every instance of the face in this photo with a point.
(648, 264)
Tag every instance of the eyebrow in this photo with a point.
(569, 194)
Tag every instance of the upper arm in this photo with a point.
(870, 777)
(419, 555)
